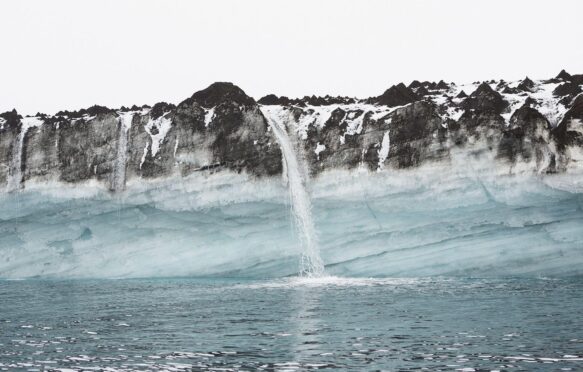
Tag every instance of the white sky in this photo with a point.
(68, 54)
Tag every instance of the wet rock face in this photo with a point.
(527, 137)
(412, 129)
(221, 128)
(569, 132)
(87, 148)
(9, 130)
(160, 141)
(341, 149)
(41, 151)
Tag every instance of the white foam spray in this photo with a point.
(311, 264)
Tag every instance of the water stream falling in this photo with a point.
(119, 177)
(311, 264)
(15, 175)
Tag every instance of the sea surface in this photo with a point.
(437, 324)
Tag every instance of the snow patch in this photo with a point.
(163, 125)
(144, 154)
(209, 116)
(354, 123)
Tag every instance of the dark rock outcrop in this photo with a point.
(272, 99)
(569, 132)
(397, 95)
(221, 128)
(462, 94)
(563, 75)
(218, 93)
(526, 85)
(567, 89)
(527, 137)
(484, 98)
(411, 133)
(9, 130)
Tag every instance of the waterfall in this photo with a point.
(15, 176)
(311, 264)
(119, 175)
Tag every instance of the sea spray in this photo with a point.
(119, 176)
(311, 264)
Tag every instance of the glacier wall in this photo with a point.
(480, 179)
(421, 222)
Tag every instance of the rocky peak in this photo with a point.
(415, 84)
(397, 95)
(221, 92)
(94, 110)
(160, 108)
(526, 85)
(461, 94)
(564, 75)
(272, 99)
(11, 118)
(484, 98)
(442, 85)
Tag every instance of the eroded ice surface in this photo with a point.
(423, 222)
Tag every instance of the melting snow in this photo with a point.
(354, 122)
(209, 116)
(144, 154)
(163, 125)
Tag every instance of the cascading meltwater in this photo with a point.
(119, 177)
(311, 264)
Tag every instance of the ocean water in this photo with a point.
(437, 324)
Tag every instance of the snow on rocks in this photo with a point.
(319, 149)
(157, 129)
(209, 116)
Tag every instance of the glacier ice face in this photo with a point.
(431, 179)
(420, 222)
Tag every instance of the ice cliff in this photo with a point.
(432, 178)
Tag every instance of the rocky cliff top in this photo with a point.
(537, 123)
